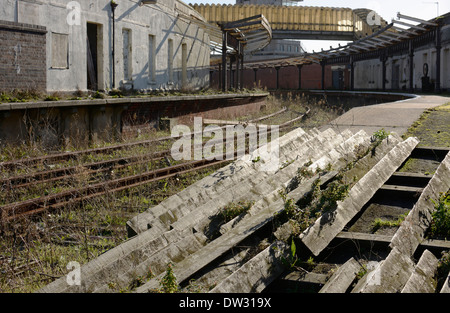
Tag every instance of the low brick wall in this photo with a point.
(22, 57)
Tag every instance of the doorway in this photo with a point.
(395, 76)
(94, 56)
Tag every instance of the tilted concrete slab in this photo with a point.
(260, 214)
(342, 278)
(422, 280)
(155, 248)
(182, 242)
(389, 276)
(198, 260)
(234, 236)
(446, 287)
(203, 190)
(412, 231)
(327, 227)
(282, 178)
(258, 273)
(233, 185)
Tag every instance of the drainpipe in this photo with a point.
(224, 60)
(383, 60)
(438, 59)
(113, 9)
(411, 66)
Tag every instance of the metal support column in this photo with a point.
(383, 62)
(352, 74)
(242, 68)
(231, 72)
(237, 83)
(411, 66)
(255, 70)
(220, 76)
(224, 60)
(438, 59)
(113, 53)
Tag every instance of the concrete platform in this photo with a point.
(392, 116)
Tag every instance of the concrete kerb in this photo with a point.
(320, 234)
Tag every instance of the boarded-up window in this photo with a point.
(28, 12)
(60, 50)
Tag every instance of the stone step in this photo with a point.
(409, 179)
(385, 239)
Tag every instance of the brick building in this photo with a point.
(22, 56)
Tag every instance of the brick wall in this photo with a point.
(22, 57)
(267, 78)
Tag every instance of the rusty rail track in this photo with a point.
(68, 173)
(58, 157)
(59, 200)
(13, 211)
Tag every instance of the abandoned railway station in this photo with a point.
(349, 191)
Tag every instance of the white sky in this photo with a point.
(388, 10)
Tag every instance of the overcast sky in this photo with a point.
(386, 8)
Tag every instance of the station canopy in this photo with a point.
(252, 34)
(402, 30)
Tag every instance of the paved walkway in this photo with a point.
(393, 116)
